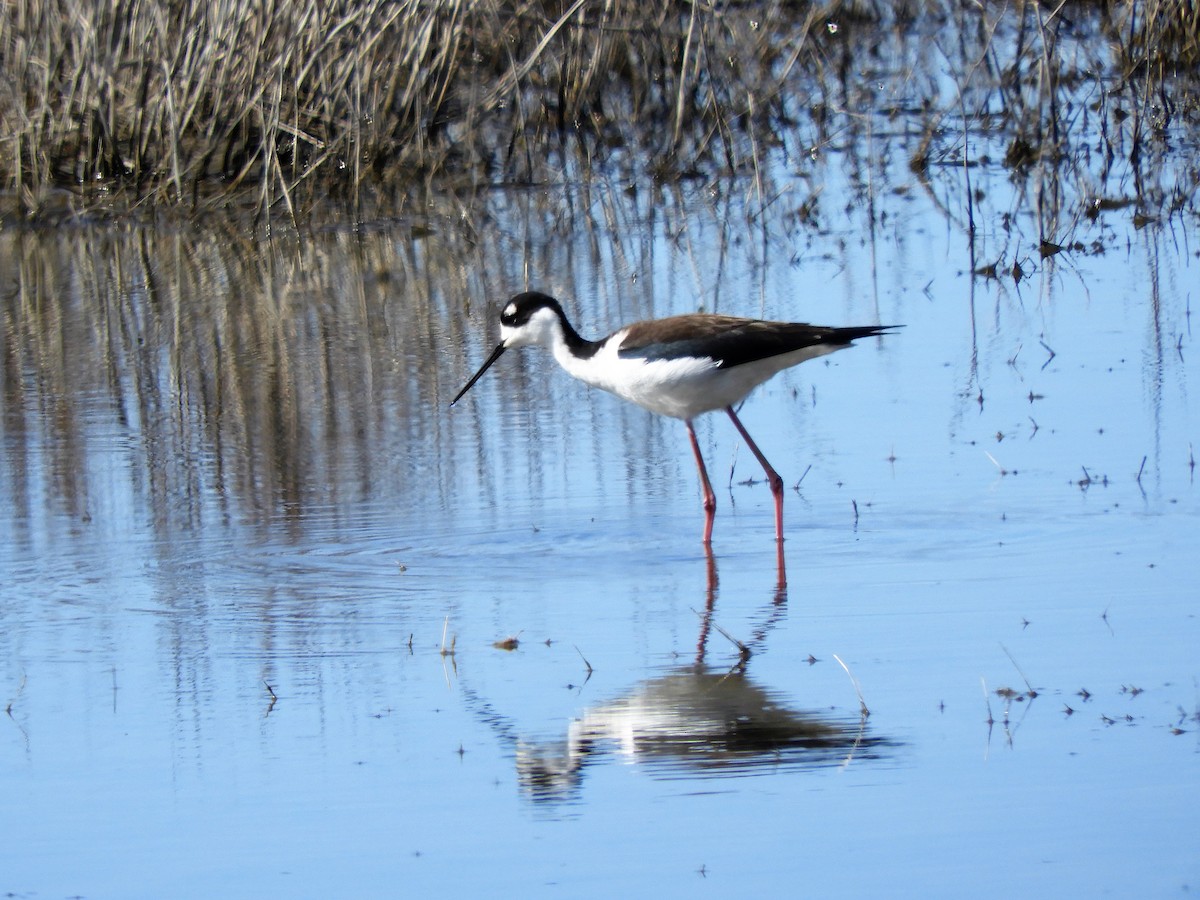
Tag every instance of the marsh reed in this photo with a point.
(191, 102)
(183, 98)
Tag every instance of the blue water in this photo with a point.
(255, 572)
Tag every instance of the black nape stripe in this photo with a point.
(521, 308)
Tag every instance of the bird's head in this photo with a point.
(527, 318)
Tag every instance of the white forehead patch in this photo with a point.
(510, 310)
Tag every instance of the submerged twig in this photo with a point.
(800, 480)
(1031, 692)
(744, 652)
(274, 698)
(17, 695)
(862, 704)
(1003, 471)
(448, 651)
(585, 661)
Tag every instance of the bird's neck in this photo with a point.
(569, 346)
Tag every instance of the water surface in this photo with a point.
(277, 621)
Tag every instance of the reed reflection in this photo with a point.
(200, 378)
(183, 378)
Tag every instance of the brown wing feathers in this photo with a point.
(731, 341)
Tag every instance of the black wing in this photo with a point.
(733, 341)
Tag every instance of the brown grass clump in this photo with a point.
(177, 98)
(1162, 34)
(194, 102)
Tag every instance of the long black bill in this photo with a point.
(474, 378)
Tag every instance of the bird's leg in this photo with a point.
(772, 476)
(710, 499)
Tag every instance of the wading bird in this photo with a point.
(680, 366)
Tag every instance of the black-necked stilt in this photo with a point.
(680, 366)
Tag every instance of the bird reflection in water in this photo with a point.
(699, 721)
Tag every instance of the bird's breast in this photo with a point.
(681, 387)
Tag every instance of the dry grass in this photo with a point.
(192, 101)
(178, 99)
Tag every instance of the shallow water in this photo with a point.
(257, 573)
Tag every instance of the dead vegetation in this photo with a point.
(191, 102)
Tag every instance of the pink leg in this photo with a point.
(772, 476)
(710, 499)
